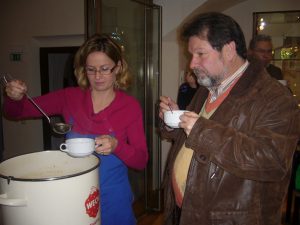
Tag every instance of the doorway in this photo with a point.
(56, 67)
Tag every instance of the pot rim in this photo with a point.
(10, 178)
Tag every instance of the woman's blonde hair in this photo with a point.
(101, 43)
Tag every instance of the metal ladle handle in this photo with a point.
(37, 106)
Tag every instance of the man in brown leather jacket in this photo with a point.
(231, 159)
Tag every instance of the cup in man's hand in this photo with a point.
(171, 118)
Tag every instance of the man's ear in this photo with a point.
(229, 51)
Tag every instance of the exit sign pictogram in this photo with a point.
(15, 56)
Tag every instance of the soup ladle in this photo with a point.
(59, 128)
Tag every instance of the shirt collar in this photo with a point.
(217, 91)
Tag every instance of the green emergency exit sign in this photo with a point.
(15, 56)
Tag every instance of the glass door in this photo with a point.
(136, 26)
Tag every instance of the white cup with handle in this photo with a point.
(78, 147)
(171, 118)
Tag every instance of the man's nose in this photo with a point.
(194, 62)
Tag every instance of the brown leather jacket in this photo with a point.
(241, 165)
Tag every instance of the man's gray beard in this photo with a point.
(206, 81)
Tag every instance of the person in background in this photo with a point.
(231, 158)
(98, 108)
(260, 48)
(187, 90)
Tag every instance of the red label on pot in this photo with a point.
(92, 202)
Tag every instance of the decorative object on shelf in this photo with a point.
(118, 36)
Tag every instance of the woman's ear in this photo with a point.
(119, 66)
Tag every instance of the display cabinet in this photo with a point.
(284, 29)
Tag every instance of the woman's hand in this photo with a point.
(166, 104)
(16, 89)
(105, 144)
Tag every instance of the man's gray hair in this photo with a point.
(258, 38)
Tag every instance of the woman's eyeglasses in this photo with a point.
(90, 70)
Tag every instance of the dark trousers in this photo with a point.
(176, 215)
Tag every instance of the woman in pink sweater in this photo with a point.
(98, 108)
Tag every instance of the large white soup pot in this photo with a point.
(49, 188)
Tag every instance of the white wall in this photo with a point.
(26, 26)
